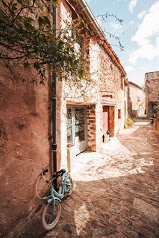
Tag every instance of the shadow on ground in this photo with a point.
(115, 208)
(121, 206)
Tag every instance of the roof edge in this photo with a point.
(134, 84)
(86, 10)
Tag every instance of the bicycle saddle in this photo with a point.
(58, 173)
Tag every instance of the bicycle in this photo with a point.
(52, 211)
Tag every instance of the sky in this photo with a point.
(138, 33)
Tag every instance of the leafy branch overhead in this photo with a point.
(104, 18)
(28, 36)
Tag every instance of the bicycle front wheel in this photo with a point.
(51, 215)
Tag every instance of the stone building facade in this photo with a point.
(91, 110)
(86, 112)
(136, 100)
(126, 99)
(151, 91)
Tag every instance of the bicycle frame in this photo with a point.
(54, 194)
(52, 210)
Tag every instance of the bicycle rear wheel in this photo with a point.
(51, 215)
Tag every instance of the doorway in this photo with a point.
(76, 128)
(105, 119)
(108, 121)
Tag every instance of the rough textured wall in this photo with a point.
(136, 100)
(24, 146)
(126, 101)
(105, 77)
(91, 127)
(157, 126)
(152, 85)
(151, 91)
(113, 82)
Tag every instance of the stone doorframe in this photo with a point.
(91, 127)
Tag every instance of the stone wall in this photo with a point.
(151, 91)
(113, 82)
(156, 122)
(106, 81)
(24, 146)
(157, 126)
(126, 99)
(136, 100)
(91, 127)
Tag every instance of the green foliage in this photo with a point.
(28, 37)
(128, 123)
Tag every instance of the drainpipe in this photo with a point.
(53, 103)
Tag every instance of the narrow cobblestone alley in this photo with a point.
(116, 191)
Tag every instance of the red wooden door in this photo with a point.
(105, 119)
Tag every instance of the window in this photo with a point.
(119, 113)
(75, 124)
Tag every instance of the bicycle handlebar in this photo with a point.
(55, 175)
(58, 173)
(45, 171)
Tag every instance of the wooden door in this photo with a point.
(105, 119)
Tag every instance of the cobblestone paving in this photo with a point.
(116, 191)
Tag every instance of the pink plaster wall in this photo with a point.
(24, 145)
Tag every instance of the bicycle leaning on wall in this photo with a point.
(52, 211)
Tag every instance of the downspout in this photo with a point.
(53, 161)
